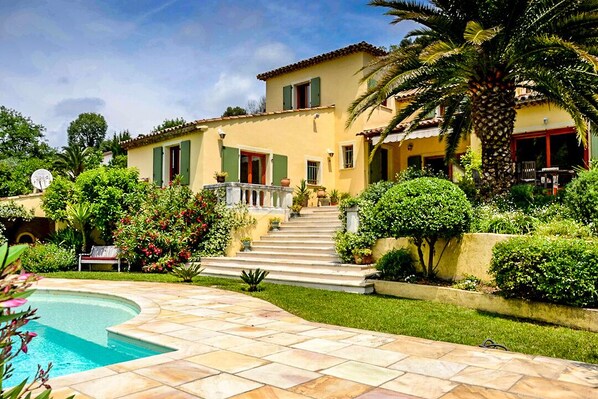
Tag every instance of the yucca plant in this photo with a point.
(470, 56)
(187, 272)
(253, 278)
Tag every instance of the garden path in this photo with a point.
(229, 345)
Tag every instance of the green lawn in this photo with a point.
(401, 316)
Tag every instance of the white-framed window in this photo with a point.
(435, 113)
(313, 172)
(347, 155)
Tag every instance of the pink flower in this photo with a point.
(13, 303)
(25, 276)
(31, 334)
(24, 348)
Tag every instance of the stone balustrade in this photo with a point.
(257, 197)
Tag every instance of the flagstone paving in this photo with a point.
(229, 345)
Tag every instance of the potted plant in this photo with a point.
(246, 241)
(321, 192)
(295, 210)
(220, 176)
(286, 182)
(334, 196)
(363, 256)
(302, 193)
(275, 223)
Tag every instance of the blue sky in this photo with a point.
(139, 62)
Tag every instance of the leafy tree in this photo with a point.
(73, 160)
(15, 175)
(20, 137)
(470, 56)
(256, 107)
(168, 123)
(110, 192)
(426, 209)
(234, 111)
(88, 130)
(114, 144)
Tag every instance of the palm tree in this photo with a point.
(469, 56)
(72, 160)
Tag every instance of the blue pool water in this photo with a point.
(72, 334)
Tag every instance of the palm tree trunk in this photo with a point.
(493, 117)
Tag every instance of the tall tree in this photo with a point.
(72, 160)
(234, 111)
(470, 56)
(114, 144)
(169, 123)
(20, 137)
(88, 130)
(256, 106)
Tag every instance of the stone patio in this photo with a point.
(230, 345)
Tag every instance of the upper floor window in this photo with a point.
(301, 95)
(437, 112)
(174, 155)
(347, 155)
(313, 172)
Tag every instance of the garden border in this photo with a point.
(580, 318)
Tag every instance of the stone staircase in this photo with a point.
(301, 253)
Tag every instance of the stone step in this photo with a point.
(285, 263)
(297, 249)
(357, 287)
(307, 227)
(331, 271)
(297, 241)
(298, 234)
(282, 253)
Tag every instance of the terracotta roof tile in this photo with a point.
(354, 48)
(180, 130)
(401, 127)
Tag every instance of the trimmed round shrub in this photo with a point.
(396, 265)
(581, 197)
(46, 258)
(547, 269)
(426, 209)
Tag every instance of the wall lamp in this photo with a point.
(316, 116)
(409, 146)
(330, 153)
(221, 134)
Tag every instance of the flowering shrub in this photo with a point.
(171, 225)
(14, 288)
(47, 258)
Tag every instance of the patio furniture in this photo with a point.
(528, 172)
(551, 176)
(107, 255)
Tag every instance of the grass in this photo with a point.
(423, 319)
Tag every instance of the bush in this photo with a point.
(426, 209)
(582, 198)
(396, 265)
(489, 219)
(346, 243)
(170, 226)
(47, 258)
(67, 238)
(546, 269)
(563, 228)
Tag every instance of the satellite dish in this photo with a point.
(41, 179)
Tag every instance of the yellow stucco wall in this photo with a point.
(532, 118)
(298, 135)
(471, 255)
(30, 202)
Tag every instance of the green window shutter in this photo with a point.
(315, 92)
(185, 162)
(414, 162)
(230, 163)
(287, 97)
(157, 176)
(279, 168)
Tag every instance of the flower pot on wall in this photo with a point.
(321, 193)
(286, 182)
(220, 179)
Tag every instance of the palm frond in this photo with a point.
(477, 35)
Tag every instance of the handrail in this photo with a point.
(255, 196)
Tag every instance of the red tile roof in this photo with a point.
(180, 130)
(401, 127)
(354, 48)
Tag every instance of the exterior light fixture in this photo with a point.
(221, 134)
(409, 146)
(316, 116)
(330, 153)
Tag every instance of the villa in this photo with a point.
(304, 135)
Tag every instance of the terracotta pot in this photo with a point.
(286, 182)
(220, 179)
(363, 260)
(321, 194)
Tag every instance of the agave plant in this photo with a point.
(187, 272)
(253, 278)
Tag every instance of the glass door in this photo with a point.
(253, 170)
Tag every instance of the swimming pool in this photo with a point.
(72, 334)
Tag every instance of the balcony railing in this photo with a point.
(255, 196)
